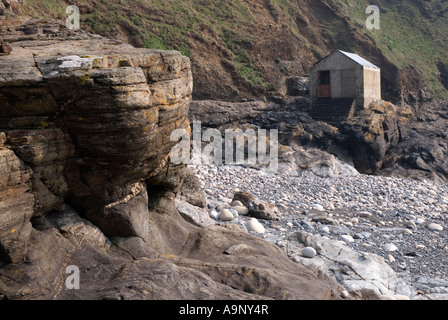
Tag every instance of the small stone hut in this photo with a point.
(343, 75)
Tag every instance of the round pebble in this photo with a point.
(309, 252)
(241, 210)
(347, 238)
(225, 215)
(410, 224)
(325, 229)
(236, 203)
(420, 221)
(214, 215)
(255, 226)
(365, 214)
(435, 227)
(390, 258)
(317, 207)
(390, 247)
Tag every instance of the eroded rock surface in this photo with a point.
(16, 206)
(355, 270)
(91, 130)
(86, 181)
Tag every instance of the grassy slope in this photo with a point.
(168, 24)
(407, 37)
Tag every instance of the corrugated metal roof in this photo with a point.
(359, 59)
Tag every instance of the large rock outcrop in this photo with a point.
(94, 132)
(371, 133)
(423, 153)
(86, 180)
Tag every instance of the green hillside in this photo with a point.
(251, 46)
(412, 33)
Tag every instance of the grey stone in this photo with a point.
(347, 238)
(390, 247)
(214, 215)
(236, 203)
(317, 207)
(241, 210)
(196, 215)
(309, 252)
(435, 227)
(255, 226)
(226, 215)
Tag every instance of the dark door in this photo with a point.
(324, 85)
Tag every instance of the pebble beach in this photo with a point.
(404, 222)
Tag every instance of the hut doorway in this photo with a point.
(324, 84)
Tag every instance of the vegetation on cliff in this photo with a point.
(244, 48)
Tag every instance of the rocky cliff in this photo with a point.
(86, 179)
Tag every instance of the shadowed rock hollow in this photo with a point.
(86, 180)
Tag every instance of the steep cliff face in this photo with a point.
(93, 123)
(241, 49)
(86, 180)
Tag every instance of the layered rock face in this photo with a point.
(86, 180)
(17, 204)
(94, 133)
